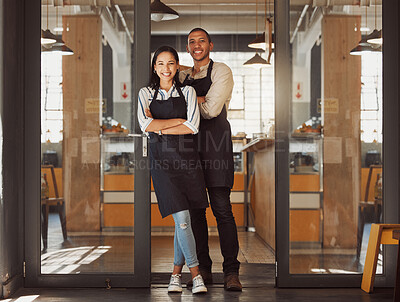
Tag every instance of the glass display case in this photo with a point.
(306, 190)
(117, 181)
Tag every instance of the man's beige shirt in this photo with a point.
(220, 92)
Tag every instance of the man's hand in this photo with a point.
(201, 99)
(148, 113)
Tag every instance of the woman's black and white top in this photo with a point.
(146, 95)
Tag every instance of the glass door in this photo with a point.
(92, 177)
(330, 139)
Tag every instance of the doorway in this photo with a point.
(88, 163)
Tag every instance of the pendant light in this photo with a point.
(57, 49)
(262, 41)
(161, 12)
(257, 61)
(59, 46)
(363, 48)
(47, 36)
(59, 41)
(268, 34)
(376, 36)
(259, 41)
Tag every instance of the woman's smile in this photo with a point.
(166, 67)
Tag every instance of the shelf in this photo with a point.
(258, 144)
(315, 135)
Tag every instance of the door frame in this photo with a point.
(391, 94)
(32, 150)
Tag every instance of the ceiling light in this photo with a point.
(47, 37)
(58, 49)
(257, 62)
(375, 37)
(258, 42)
(363, 48)
(160, 12)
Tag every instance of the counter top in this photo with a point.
(258, 144)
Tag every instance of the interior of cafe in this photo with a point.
(335, 140)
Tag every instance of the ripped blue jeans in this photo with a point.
(184, 244)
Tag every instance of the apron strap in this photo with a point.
(186, 80)
(209, 69)
(180, 91)
(155, 93)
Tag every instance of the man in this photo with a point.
(213, 83)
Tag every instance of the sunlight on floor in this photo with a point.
(68, 260)
(27, 298)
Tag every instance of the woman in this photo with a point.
(169, 113)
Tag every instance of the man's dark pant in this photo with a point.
(222, 210)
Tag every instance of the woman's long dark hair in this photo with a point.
(154, 78)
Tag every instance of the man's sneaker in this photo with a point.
(232, 283)
(207, 278)
(198, 285)
(175, 285)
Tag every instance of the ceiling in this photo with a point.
(217, 16)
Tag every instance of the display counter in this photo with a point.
(262, 200)
(117, 187)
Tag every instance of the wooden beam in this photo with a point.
(81, 139)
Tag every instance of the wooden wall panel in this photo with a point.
(264, 207)
(123, 182)
(304, 225)
(59, 180)
(238, 184)
(364, 178)
(304, 183)
(341, 110)
(81, 114)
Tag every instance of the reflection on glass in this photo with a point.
(87, 157)
(336, 141)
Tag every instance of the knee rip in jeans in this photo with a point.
(183, 226)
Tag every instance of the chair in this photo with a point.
(364, 205)
(380, 234)
(57, 201)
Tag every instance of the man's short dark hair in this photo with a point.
(203, 30)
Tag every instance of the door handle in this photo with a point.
(144, 142)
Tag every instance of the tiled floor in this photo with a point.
(113, 252)
(94, 253)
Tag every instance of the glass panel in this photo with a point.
(87, 156)
(250, 114)
(336, 139)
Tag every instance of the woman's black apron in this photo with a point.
(214, 140)
(175, 163)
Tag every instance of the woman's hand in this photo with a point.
(201, 99)
(148, 113)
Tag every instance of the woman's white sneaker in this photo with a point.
(198, 285)
(175, 285)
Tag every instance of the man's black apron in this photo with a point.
(175, 163)
(215, 140)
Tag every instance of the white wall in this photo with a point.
(247, 89)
